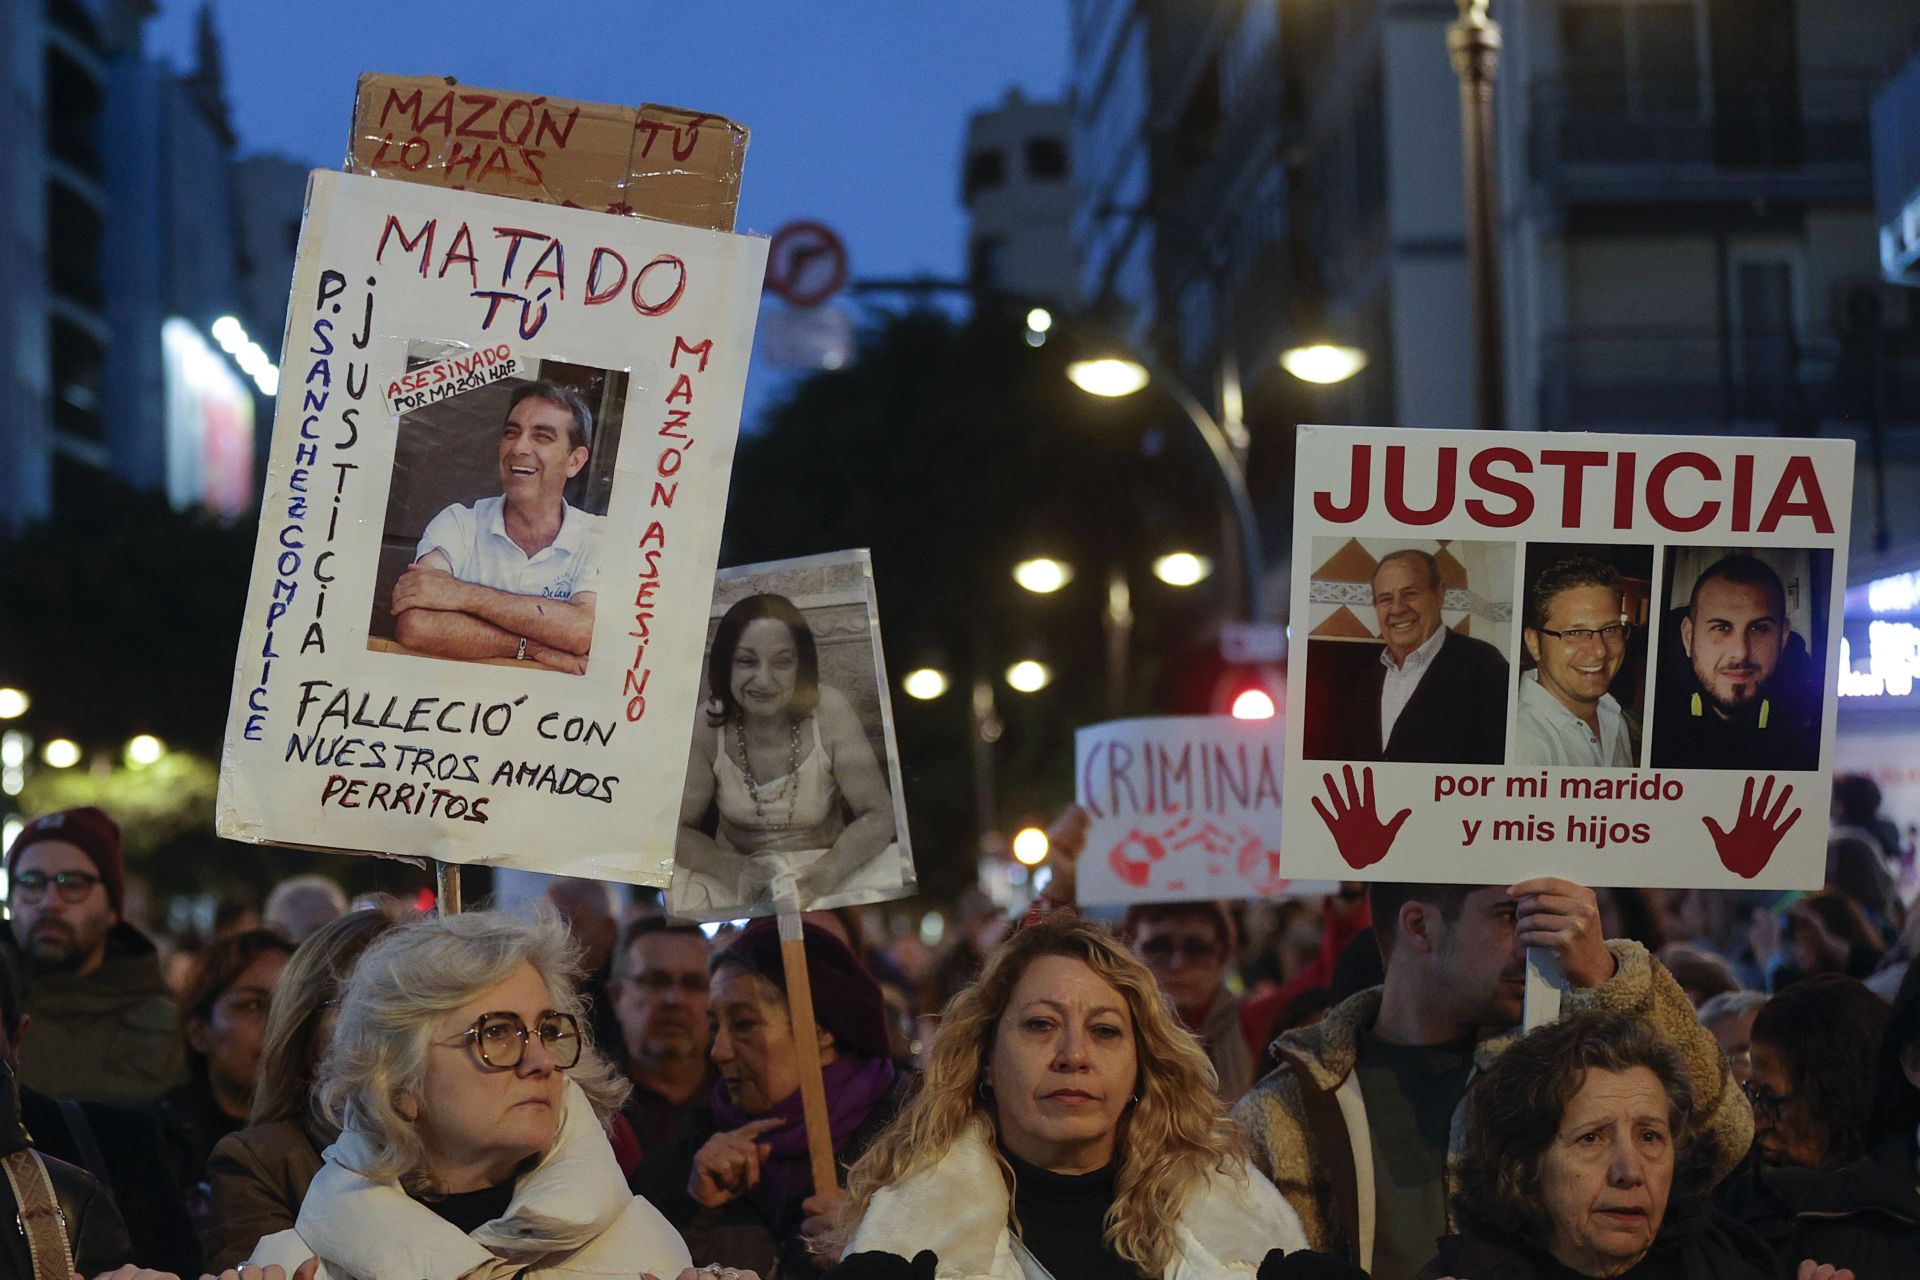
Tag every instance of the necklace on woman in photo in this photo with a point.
(789, 788)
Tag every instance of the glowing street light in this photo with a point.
(1323, 362)
(1030, 846)
(1110, 376)
(1043, 575)
(926, 683)
(1039, 320)
(1253, 704)
(1029, 676)
(13, 704)
(1182, 569)
(61, 753)
(144, 749)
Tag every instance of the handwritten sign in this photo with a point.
(1610, 658)
(1183, 808)
(488, 534)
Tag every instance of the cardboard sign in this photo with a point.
(474, 627)
(1608, 658)
(793, 781)
(1183, 808)
(652, 161)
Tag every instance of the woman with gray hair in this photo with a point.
(1584, 1158)
(470, 1110)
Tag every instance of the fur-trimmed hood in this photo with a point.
(959, 1208)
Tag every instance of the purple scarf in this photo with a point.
(854, 1087)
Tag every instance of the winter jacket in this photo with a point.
(1721, 1250)
(571, 1218)
(108, 1036)
(1307, 1120)
(959, 1208)
(739, 1233)
(258, 1178)
(1864, 1216)
(95, 1233)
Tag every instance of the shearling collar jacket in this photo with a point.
(571, 1218)
(1307, 1120)
(959, 1208)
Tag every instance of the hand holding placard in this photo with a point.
(1756, 833)
(1357, 830)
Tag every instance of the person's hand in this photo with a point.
(708, 1273)
(727, 1166)
(819, 1212)
(1811, 1270)
(559, 659)
(1563, 917)
(248, 1271)
(131, 1272)
(421, 587)
(1066, 841)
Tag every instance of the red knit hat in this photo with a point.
(92, 833)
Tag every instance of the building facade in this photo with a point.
(1017, 187)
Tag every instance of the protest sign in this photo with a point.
(487, 540)
(1608, 658)
(1182, 808)
(792, 784)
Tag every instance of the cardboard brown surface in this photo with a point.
(652, 161)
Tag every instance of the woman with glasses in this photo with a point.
(1189, 947)
(223, 1019)
(470, 1114)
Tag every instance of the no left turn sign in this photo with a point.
(806, 264)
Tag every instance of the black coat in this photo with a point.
(95, 1233)
(740, 1232)
(1720, 1250)
(1865, 1215)
(1457, 715)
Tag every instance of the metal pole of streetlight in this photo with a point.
(1474, 42)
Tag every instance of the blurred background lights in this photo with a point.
(13, 704)
(1043, 575)
(61, 753)
(1182, 569)
(925, 683)
(1108, 376)
(1030, 846)
(1029, 676)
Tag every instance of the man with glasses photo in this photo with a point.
(1577, 635)
(103, 1023)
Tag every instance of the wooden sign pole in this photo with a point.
(446, 887)
(813, 1086)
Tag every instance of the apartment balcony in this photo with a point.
(1679, 380)
(1625, 142)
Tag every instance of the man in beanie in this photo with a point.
(104, 1024)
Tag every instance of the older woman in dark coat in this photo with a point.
(1584, 1160)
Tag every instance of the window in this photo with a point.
(1046, 159)
(986, 170)
(1636, 57)
(988, 267)
(1765, 338)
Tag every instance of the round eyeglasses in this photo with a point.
(501, 1038)
(1617, 633)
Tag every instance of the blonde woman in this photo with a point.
(470, 1114)
(1066, 1126)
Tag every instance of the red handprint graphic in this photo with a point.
(1133, 858)
(1357, 830)
(1756, 833)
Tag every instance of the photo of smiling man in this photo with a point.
(513, 576)
(1580, 625)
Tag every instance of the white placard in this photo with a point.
(1183, 808)
(795, 679)
(1666, 720)
(522, 696)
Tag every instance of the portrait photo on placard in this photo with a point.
(491, 547)
(1410, 650)
(1739, 677)
(793, 778)
(1581, 692)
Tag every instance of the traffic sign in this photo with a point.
(806, 264)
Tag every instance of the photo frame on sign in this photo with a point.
(793, 787)
(503, 472)
(1581, 696)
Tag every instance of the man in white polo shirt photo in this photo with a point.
(513, 576)
(1576, 633)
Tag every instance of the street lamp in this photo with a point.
(1182, 569)
(1043, 575)
(1030, 846)
(1108, 376)
(926, 683)
(61, 753)
(13, 704)
(144, 749)
(1323, 363)
(1029, 675)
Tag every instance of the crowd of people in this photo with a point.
(1332, 1088)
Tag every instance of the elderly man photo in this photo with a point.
(513, 576)
(1744, 707)
(1433, 695)
(1577, 634)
